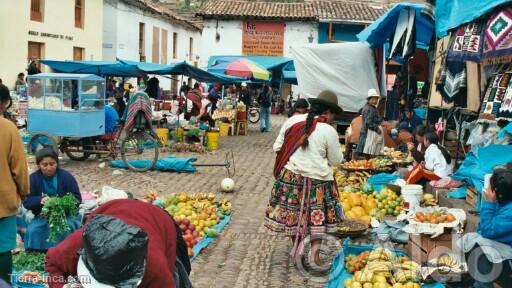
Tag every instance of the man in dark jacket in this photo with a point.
(265, 101)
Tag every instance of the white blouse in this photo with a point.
(323, 151)
(434, 161)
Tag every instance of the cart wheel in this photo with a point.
(41, 141)
(80, 145)
(230, 164)
(139, 151)
(254, 115)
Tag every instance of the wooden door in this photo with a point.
(78, 54)
(156, 45)
(164, 47)
(35, 52)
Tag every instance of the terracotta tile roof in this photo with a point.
(349, 11)
(259, 10)
(305, 11)
(163, 13)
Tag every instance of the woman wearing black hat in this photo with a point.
(304, 199)
(48, 181)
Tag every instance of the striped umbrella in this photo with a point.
(241, 67)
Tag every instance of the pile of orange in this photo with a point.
(435, 217)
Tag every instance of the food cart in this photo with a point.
(67, 112)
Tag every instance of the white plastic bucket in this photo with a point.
(412, 195)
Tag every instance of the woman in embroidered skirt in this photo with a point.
(370, 140)
(304, 199)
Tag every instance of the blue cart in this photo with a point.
(67, 112)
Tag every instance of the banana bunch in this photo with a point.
(225, 205)
(403, 276)
(379, 266)
(429, 200)
(447, 260)
(381, 254)
(364, 275)
(354, 179)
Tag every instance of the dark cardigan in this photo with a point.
(66, 184)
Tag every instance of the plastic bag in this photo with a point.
(108, 193)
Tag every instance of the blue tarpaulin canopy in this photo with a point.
(289, 73)
(381, 31)
(125, 68)
(451, 14)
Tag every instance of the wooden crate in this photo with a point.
(420, 246)
(471, 196)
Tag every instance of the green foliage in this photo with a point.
(29, 261)
(55, 210)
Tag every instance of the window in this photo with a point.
(174, 45)
(156, 45)
(36, 10)
(191, 49)
(79, 13)
(142, 40)
(78, 54)
(164, 47)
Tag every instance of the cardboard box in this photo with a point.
(421, 248)
(471, 196)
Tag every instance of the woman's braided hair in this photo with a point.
(316, 109)
(434, 139)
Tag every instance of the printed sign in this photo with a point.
(262, 38)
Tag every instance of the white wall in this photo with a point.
(123, 36)
(230, 42)
(58, 19)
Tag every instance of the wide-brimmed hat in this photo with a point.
(113, 255)
(329, 99)
(373, 93)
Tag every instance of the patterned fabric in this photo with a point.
(139, 102)
(498, 34)
(453, 81)
(467, 42)
(496, 92)
(300, 206)
(506, 103)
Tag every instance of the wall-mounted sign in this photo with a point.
(50, 35)
(263, 38)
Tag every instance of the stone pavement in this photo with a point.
(245, 254)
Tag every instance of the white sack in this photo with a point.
(347, 69)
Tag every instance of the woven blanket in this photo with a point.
(453, 81)
(496, 92)
(498, 37)
(466, 42)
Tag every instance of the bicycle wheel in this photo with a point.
(41, 141)
(139, 151)
(254, 115)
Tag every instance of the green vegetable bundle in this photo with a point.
(55, 210)
(29, 261)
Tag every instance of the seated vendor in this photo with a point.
(494, 234)
(111, 119)
(124, 243)
(48, 181)
(410, 120)
(437, 165)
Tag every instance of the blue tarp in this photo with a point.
(451, 14)
(380, 179)
(380, 31)
(208, 240)
(170, 163)
(481, 162)
(339, 274)
(125, 68)
(289, 73)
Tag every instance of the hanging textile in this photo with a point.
(452, 84)
(495, 92)
(506, 103)
(498, 37)
(466, 42)
(404, 38)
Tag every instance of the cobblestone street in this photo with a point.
(245, 254)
